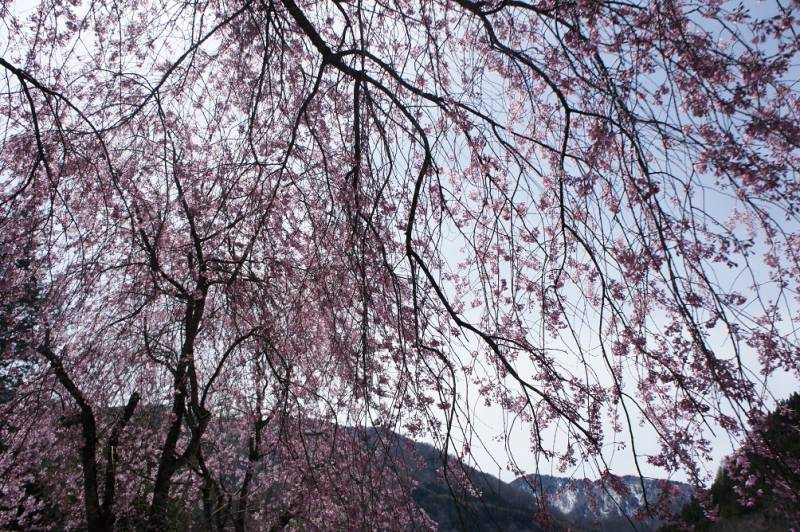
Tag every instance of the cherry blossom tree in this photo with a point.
(258, 230)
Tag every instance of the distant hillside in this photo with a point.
(487, 504)
(592, 505)
(494, 504)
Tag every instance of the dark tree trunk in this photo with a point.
(169, 462)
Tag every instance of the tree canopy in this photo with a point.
(237, 234)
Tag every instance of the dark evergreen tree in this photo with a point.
(759, 478)
(18, 313)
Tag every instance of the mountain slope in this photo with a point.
(468, 499)
(474, 501)
(596, 506)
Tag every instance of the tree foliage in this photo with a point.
(763, 474)
(759, 480)
(252, 224)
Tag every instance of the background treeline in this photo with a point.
(767, 478)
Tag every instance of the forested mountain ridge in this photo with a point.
(620, 504)
(480, 501)
(757, 487)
